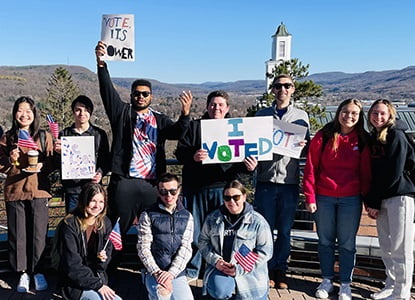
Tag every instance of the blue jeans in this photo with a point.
(200, 203)
(71, 202)
(181, 289)
(337, 218)
(221, 286)
(278, 204)
(93, 295)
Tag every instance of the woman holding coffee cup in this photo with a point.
(26, 192)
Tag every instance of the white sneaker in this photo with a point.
(24, 282)
(383, 293)
(40, 282)
(345, 292)
(324, 289)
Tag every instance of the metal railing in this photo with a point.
(304, 239)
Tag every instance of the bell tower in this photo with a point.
(281, 51)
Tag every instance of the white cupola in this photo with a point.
(281, 51)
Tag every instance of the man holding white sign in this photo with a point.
(277, 188)
(139, 135)
(203, 183)
(82, 109)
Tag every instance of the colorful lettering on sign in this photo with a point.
(236, 147)
(282, 138)
(119, 27)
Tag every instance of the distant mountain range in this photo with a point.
(33, 81)
(391, 84)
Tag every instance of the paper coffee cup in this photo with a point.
(33, 158)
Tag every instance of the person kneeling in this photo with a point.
(165, 234)
(236, 243)
(84, 249)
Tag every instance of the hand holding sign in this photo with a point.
(100, 50)
(288, 138)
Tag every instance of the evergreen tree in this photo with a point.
(304, 90)
(61, 92)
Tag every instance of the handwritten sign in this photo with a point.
(286, 138)
(231, 140)
(78, 157)
(117, 32)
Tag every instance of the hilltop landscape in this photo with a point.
(33, 81)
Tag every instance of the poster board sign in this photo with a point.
(286, 138)
(117, 32)
(231, 140)
(78, 157)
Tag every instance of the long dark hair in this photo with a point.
(13, 133)
(333, 128)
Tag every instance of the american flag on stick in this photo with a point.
(25, 140)
(115, 236)
(53, 126)
(246, 258)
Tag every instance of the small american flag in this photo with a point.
(25, 140)
(53, 126)
(246, 258)
(115, 236)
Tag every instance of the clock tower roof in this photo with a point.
(281, 31)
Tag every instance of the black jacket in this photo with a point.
(76, 274)
(102, 155)
(389, 165)
(123, 118)
(197, 175)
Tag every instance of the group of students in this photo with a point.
(345, 166)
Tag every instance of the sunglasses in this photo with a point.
(279, 86)
(138, 94)
(172, 192)
(233, 197)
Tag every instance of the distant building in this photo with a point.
(281, 51)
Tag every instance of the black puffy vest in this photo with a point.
(167, 230)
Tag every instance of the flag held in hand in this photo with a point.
(25, 140)
(246, 258)
(115, 236)
(53, 126)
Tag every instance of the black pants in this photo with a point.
(127, 198)
(27, 222)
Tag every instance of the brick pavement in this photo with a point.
(126, 283)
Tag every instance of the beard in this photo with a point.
(139, 107)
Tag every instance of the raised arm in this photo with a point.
(110, 98)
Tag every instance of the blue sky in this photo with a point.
(195, 41)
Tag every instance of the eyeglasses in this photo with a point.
(144, 94)
(172, 192)
(233, 197)
(278, 86)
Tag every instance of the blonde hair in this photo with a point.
(382, 134)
